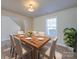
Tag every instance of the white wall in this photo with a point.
(65, 18)
(8, 27)
(14, 19)
(18, 18)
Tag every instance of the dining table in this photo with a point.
(36, 42)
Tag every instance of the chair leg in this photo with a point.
(54, 57)
(30, 55)
(11, 51)
(16, 56)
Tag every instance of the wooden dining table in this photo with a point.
(37, 42)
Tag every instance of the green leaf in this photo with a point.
(70, 36)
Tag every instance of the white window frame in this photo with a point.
(47, 29)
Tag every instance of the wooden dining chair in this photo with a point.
(12, 53)
(41, 33)
(49, 52)
(22, 52)
(20, 32)
(35, 33)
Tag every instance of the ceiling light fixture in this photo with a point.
(31, 5)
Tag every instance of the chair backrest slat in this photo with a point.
(20, 32)
(12, 40)
(41, 33)
(52, 50)
(35, 33)
(18, 46)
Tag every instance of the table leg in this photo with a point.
(35, 54)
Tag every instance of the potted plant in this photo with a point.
(70, 37)
(29, 33)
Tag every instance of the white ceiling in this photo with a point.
(45, 6)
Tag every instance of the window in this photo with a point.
(51, 26)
